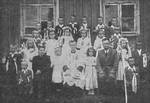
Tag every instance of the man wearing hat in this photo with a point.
(42, 73)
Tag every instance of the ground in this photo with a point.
(143, 96)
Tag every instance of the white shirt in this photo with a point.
(98, 43)
(139, 52)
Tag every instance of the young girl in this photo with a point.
(66, 38)
(124, 53)
(51, 43)
(57, 64)
(90, 71)
(83, 43)
(98, 42)
(30, 51)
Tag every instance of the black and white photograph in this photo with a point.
(74, 51)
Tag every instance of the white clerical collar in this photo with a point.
(139, 51)
(132, 68)
(73, 23)
(106, 51)
(100, 25)
(61, 25)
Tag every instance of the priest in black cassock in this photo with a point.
(42, 73)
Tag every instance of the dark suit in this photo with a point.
(129, 75)
(75, 31)
(42, 80)
(107, 65)
(58, 31)
(139, 62)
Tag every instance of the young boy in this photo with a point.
(25, 79)
(74, 28)
(59, 28)
(132, 76)
(100, 24)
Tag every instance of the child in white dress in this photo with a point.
(51, 43)
(57, 64)
(90, 71)
(98, 45)
(124, 53)
(83, 43)
(30, 51)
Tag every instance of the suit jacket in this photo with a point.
(129, 74)
(107, 61)
(58, 31)
(75, 31)
(138, 58)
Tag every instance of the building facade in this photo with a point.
(19, 17)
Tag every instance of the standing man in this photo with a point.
(42, 73)
(74, 28)
(107, 65)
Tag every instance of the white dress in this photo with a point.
(50, 47)
(29, 54)
(122, 63)
(98, 44)
(91, 73)
(58, 62)
(72, 60)
(83, 45)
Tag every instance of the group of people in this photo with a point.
(72, 58)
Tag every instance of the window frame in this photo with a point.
(136, 31)
(39, 16)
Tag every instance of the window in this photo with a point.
(126, 14)
(36, 11)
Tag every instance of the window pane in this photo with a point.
(128, 18)
(31, 16)
(110, 12)
(47, 14)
